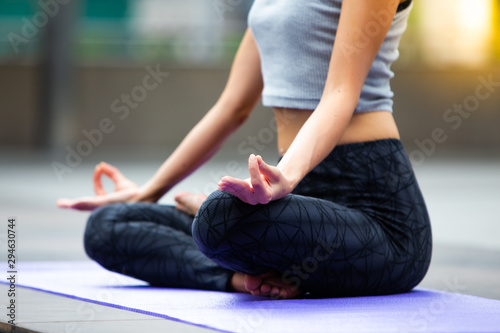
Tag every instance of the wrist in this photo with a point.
(290, 184)
(147, 193)
(292, 177)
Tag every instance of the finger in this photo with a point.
(240, 190)
(83, 204)
(260, 183)
(267, 170)
(255, 176)
(90, 203)
(237, 187)
(98, 188)
(63, 203)
(112, 172)
(231, 181)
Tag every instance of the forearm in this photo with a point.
(241, 94)
(201, 143)
(318, 136)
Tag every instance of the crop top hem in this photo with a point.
(292, 103)
(311, 104)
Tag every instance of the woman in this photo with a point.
(341, 213)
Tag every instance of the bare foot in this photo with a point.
(270, 284)
(189, 203)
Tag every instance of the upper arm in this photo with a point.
(361, 31)
(244, 85)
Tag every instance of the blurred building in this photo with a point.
(450, 46)
(457, 32)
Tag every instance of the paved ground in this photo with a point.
(462, 194)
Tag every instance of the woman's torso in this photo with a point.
(362, 127)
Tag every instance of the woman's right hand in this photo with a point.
(125, 190)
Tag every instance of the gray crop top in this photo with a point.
(295, 40)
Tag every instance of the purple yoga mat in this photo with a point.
(418, 311)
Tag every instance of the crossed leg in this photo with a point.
(296, 244)
(268, 284)
(153, 243)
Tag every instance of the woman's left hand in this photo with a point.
(125, 190)
(266, 183)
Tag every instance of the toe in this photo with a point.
(256, 292)
(275, 292)
(283, 293)
(252, 282)
(265, 288)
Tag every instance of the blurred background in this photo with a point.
(124, 80)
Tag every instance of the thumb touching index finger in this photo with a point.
(112, 172)
(98, 189)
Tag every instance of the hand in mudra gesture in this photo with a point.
(266, 183)
(125, 190)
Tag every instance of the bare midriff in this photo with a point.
(365, 126)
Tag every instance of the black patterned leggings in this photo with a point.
(355, 225)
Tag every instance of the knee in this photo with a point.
(211, 224)
(98, 230)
